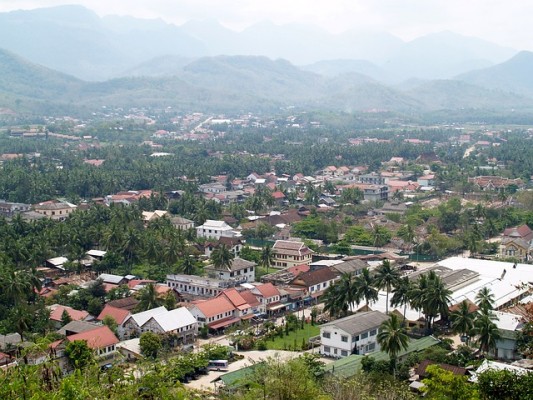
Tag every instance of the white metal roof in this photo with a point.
(142, 317)
(175, 319)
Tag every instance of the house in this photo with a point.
(426, 180)
(101, 340)
(56, 262)
(8, 209)
(216, 313)
(235, 245)
(350, 266)
(240, 270)
(178, 322)
(288, 254)
(508, 325)
(215, 230)
(74, 327)
(112, 279)
(244, 309)
(315, 282)
(517, 243)
(120, 316)
(285, 275)
(149, 216)
(355, 334)
(269, 297)
(54, 209)
(56, 314)
(372, 179)
(212, 188)
(133, 325)
(126, 303)
(182, 223)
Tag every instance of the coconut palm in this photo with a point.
(340, 296)
(386, 278)
(401, 295)
(462, 319)
(222, 257)
(486, 330)
(392, 338)
(485, 299)
(148, 298)
(364, 287)
(267, 257)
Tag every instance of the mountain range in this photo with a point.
(253, 83)
(76, 41)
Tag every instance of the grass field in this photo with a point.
(293, 341)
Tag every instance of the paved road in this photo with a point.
(250, 357)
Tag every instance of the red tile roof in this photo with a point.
(96, 338)
(268, 290)
(250, 298)
(297, 269)
(75, 315)
(212, 307)
(118, 314)
(233, 296)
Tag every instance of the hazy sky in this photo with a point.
(506, 22)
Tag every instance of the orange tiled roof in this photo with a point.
(96, 338)
(118, 314)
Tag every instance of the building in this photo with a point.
(315, 282)
(517, 243)
(372, 179)
(8, 209)
(199, 286)
(288, 254)
(178, 322)
(234, 245)
(57, 310)
(56, 210)
(133, 326)
(101, 340)
(508, 325)
(215, 230)
(216, 313)
(120, 316)
(182, 223)
(355, 334)
(269, 297)
(240, 271)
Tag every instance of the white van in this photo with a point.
(218, 365)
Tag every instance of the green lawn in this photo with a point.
(287, 342)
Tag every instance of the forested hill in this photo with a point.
(236, 83)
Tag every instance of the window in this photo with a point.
(326, 335)
(344, 338)
(344, 353)
(354, 339)
(371, 347)
(373, 332)
(364, 335)
(327, 349)
(324, 284)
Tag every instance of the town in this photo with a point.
(215, 245)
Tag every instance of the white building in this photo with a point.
(198, 285)
(240, 270)
(355, 334)
(215, 230)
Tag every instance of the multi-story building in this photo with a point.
(288, 254)
(199, 286)
(355, 334)
(240, 270)
(215, 230)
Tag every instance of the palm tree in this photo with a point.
(386, 277)
(430, 296)
(187, 265)
(340, 296)
(486, 330)
(485, 299)
(148, 298)
(222, 257)
(462, 319)
(267, 257)
(16, 286)
(364, 287)
(392, 338)
(401, 295)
